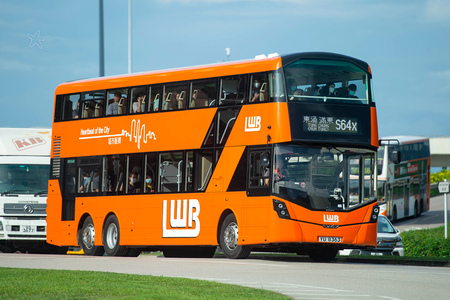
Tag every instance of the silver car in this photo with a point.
(389, 241)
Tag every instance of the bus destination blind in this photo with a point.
(322, 124)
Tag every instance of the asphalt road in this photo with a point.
(293, 277)
(430, 219)
(296, 277)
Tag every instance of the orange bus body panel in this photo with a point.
(373, 116)
(138, 133)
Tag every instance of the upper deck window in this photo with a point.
(326, 81)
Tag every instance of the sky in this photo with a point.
(405, 42)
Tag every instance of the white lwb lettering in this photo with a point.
(185, 217)
(253, 123)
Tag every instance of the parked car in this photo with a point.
(389, 241)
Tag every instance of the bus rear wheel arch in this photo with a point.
(229, 239)
(86, 238)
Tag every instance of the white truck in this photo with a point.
(24, 173)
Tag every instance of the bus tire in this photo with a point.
(86, 238)
(416, 210)
(323, 254)
(394, 215)
(111, 238)
(421, 207)
(228, 239)
(133, 252)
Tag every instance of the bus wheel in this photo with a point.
(86, 238)
(394, 215)
(111, 238)
(229, 239)
(324, 254)
(133, 252)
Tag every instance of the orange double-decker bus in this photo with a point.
(249, 155)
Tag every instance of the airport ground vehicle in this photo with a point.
(24, 171)
(248, 155)
(404, 188)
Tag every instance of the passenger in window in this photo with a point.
(95, 182)
(113, 108)
(256, 86)
(352, 91)
(328, 90)
(313, 91)
(149, 184)
(106, 182)
(179, 100)
(84, 187)
(76, 110)
(137, 105)
(134, 186)
(297, 94)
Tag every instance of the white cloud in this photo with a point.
(437, 10)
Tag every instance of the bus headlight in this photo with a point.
(374, 214)
(281, 209)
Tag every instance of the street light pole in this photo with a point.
(129, 36)
(101, 43)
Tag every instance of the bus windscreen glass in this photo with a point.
(326, 81)
(323, 178)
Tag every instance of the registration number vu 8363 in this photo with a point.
(330, 239)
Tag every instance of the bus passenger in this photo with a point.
(134, 185)
(255, 90)
(296, 95)
(113, 108)
(149, 184)
(137, 105)
(328, 90)
(312, 91)
(84, 187)
(96, 182)
(351, 91)
(76, 110)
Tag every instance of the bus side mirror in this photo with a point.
(396, 157)
(265, 160)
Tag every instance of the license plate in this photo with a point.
(28, 229)
(329, 239)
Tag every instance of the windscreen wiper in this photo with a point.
(41, 193)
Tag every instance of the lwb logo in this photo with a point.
(183, 223)
(253, 123)
(331, 218)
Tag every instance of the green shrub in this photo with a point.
(426, 243)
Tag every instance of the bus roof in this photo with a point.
(406, 139)
(25, 141)
(259, 64)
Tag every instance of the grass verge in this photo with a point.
(17, 283)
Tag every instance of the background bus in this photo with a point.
(404, 188)
(248, 155)
(24, 168)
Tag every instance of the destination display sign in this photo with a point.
(322, 124)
